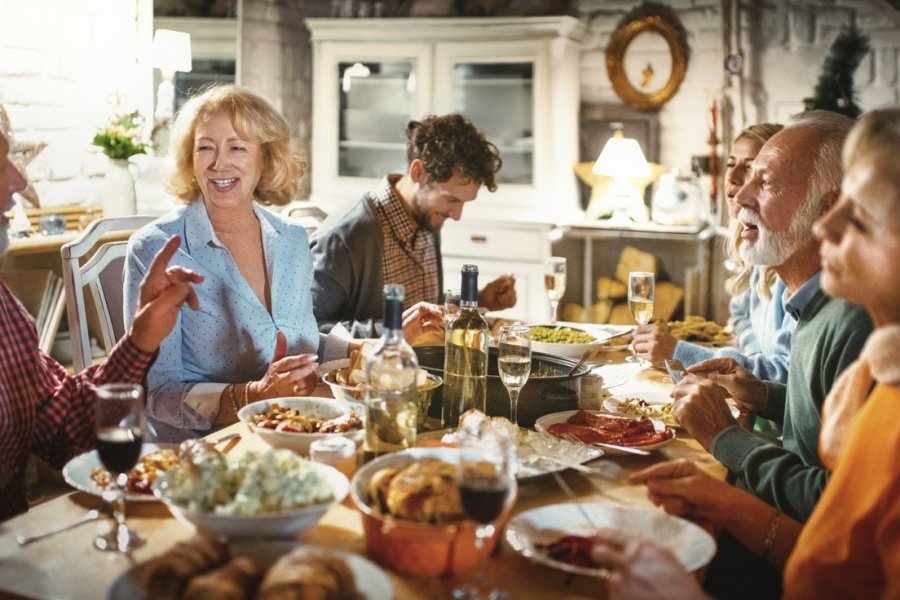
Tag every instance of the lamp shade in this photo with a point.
(621, 157)
(172, 51)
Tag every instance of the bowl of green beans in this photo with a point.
(562, 340)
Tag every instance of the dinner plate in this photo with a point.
(77, 472)
(691, 545)
(531, 462)
(371, 580)
(543, 423)
(613, 406)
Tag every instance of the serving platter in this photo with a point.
(371, 580)
(543, 423)
(691, 545)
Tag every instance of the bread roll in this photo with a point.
(307, 574)
(166, 576)
(237, 580)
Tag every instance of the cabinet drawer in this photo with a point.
(525, 244)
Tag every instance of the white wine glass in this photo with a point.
(451, 305)
(120, 435)
(641, 293)
(555, 282)
(487, 481)
(514, 363)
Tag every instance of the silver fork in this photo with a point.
(625, 449)
(91, 515)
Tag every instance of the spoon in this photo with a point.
(579, 363)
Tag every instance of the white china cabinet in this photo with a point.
(516, 78)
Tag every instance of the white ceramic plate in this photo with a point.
(77, 473)
(691, 545)
(560, 417)
(530, 464)
(371, 580)
(656, 400)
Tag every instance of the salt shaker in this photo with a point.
(338, 452)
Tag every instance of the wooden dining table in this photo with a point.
(67, 566)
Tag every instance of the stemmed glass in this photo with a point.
(641, 292)
(120, 430)
(486, 482)
(514, 363)
(451, 305)
(555, 282)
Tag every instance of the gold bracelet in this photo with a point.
(245, 397)
(229, 390)
(769, 542)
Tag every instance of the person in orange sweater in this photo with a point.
(850, 546)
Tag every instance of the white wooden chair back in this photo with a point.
(308, 216)
(89, 262)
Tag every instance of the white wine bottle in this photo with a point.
(465, 355)
(391, 394)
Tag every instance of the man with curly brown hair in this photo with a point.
(392, 235)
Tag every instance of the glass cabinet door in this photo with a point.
(376, 100)
(499, 98)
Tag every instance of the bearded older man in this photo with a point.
(795, 179)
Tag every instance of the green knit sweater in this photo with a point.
(830, 335)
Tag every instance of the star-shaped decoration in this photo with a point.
(21, 153)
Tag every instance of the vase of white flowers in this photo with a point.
(120, 140)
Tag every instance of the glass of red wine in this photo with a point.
(120, 434)
(486, 482)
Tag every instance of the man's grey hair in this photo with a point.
(827, 167)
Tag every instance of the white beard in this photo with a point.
(773, 248)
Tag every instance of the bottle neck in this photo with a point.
(393, 315)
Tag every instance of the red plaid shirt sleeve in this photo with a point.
(42, 409)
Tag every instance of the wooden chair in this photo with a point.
(96, 260)
(308, 216)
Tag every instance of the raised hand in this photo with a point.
(162, 293)
(286, 375)
(498, 294)
(748, 392)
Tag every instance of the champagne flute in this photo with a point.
(555, 282)
(514, 363)
(486, 482)
(451, 305)
(641, 292)
(120, 429)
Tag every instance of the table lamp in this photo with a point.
(171, 53)
(623, 161)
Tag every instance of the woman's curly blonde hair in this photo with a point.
(254, 119)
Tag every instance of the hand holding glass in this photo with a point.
(514, 363)
(486, 482)
(641, 292)
(120, 431)
(555, 282)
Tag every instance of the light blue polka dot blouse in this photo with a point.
(231, 339)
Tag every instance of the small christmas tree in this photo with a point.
(835, 91)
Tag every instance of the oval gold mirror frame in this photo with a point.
(615, 59)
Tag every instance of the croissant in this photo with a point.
(309, 575)
(166, 576)
(237, 580)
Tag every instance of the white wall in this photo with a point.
(62, 63)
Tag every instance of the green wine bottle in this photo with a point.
(465, 355)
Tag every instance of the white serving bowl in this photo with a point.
(565, 350)
(280, 525)
(310, 406)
